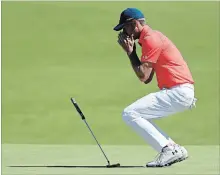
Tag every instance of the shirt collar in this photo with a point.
(144, 31)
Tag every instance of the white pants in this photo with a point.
(166, 102)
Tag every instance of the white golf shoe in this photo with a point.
(168, 156)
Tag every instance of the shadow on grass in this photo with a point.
(64, 166)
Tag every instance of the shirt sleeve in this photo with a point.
(151, 49)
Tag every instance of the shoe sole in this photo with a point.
(184, 158)
(169, 164)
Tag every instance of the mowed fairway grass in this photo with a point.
(52, 51)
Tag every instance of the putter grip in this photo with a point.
(77, 108)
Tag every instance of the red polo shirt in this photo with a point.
(168, 63)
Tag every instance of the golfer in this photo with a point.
(159, 56)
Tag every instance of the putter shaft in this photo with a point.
(84, 119)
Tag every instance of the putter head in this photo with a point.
(113, 165)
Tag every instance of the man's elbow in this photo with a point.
(146, 79)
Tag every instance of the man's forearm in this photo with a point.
(143, 70)
(136, 64)
(134, 59)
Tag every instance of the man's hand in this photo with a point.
(126, 42)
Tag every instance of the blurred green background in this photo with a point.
(52, 51)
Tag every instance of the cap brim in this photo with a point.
(119, 27)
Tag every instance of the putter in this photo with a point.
(84, 119)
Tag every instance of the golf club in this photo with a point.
(84, 119)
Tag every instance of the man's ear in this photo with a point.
(136, 22)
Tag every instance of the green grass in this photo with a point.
(52, 51)
(203, 160)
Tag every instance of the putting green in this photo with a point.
(203, 160)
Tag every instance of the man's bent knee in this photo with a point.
(129, 114)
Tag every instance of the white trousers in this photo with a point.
(140, 114)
